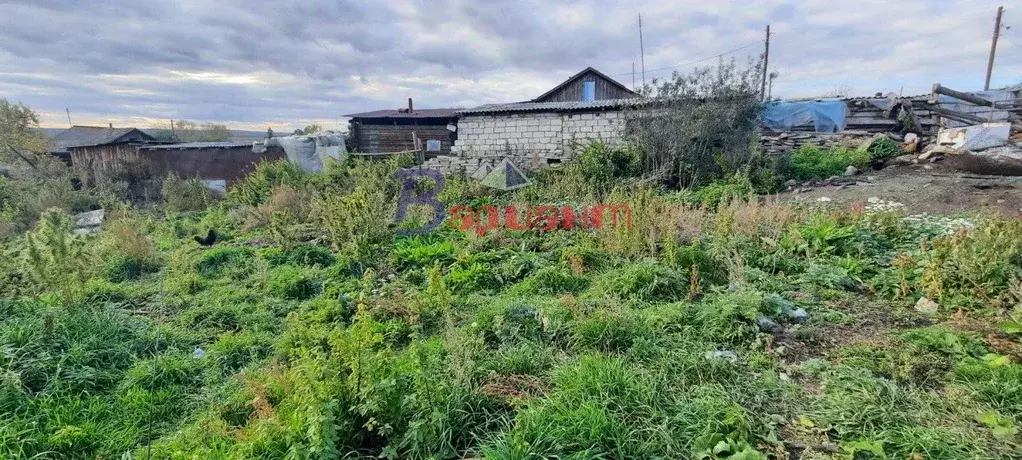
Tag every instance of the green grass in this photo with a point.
(811, 162)
(639, 343)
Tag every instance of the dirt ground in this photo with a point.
(924, 188)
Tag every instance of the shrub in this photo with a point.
(812, 162)
(600, 164)
(257, 187)
(883, 147)
(421, 252)
(722, 191)
(185, 194)
(219, 260)
(306, 255)
(698, 127)
(292, 283)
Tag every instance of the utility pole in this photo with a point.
(993, 47)
(69, 117)
(766, 60)
(642, 53)
(633, 75)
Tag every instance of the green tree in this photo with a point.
(20, 136)
(312, 129)
(188, 131)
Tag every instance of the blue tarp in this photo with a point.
(826, 116)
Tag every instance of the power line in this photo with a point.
(696, 61)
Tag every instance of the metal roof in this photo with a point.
(85, 136)
(403, 113)
(553, 106)
(197, 145)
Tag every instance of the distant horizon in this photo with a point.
(225, 63)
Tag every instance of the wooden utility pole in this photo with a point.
(993, 47)
(766, 60)
(633, 75)
(642, 53)
(69, 117)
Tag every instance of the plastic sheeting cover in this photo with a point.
(826, 116)
(310, 152)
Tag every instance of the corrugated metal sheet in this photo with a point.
(553, 106)
(418, 113)
(197, 145)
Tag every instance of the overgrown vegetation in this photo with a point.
(310, 329)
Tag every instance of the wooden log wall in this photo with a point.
(382, 138)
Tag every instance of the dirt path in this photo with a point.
(938, 189)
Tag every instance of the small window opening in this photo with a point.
(588, 91)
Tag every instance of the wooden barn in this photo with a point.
(586, 86)
(386, 131)
(218, 164)
(95, 147)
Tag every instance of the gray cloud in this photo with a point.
(253, 63)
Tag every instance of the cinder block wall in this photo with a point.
(530, 140)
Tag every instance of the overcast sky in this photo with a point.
(254, 63)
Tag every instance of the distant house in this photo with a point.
(217, 164)
(90, 147)
(587, 86)
(397, 130)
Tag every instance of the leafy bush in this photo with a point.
(812, 162)
(599, 164)
(883, 147)
(421, 252)
(257, 187)
(722, 191)
(184, 194)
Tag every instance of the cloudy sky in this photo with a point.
(255, 63)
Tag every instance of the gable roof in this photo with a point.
(579, 75)
(85, 136)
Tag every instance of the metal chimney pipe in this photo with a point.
(409, 105)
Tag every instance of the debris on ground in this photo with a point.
(722, 355)
(768, 325)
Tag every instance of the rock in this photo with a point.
(833, 179)
(722, 354)
(925, 155)
(768, 325)
(199, 353)
(927, 306)
(851, 171)
(927, 167)
(823, 199)
(904, 159)
(89, 222)
(791, 183)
